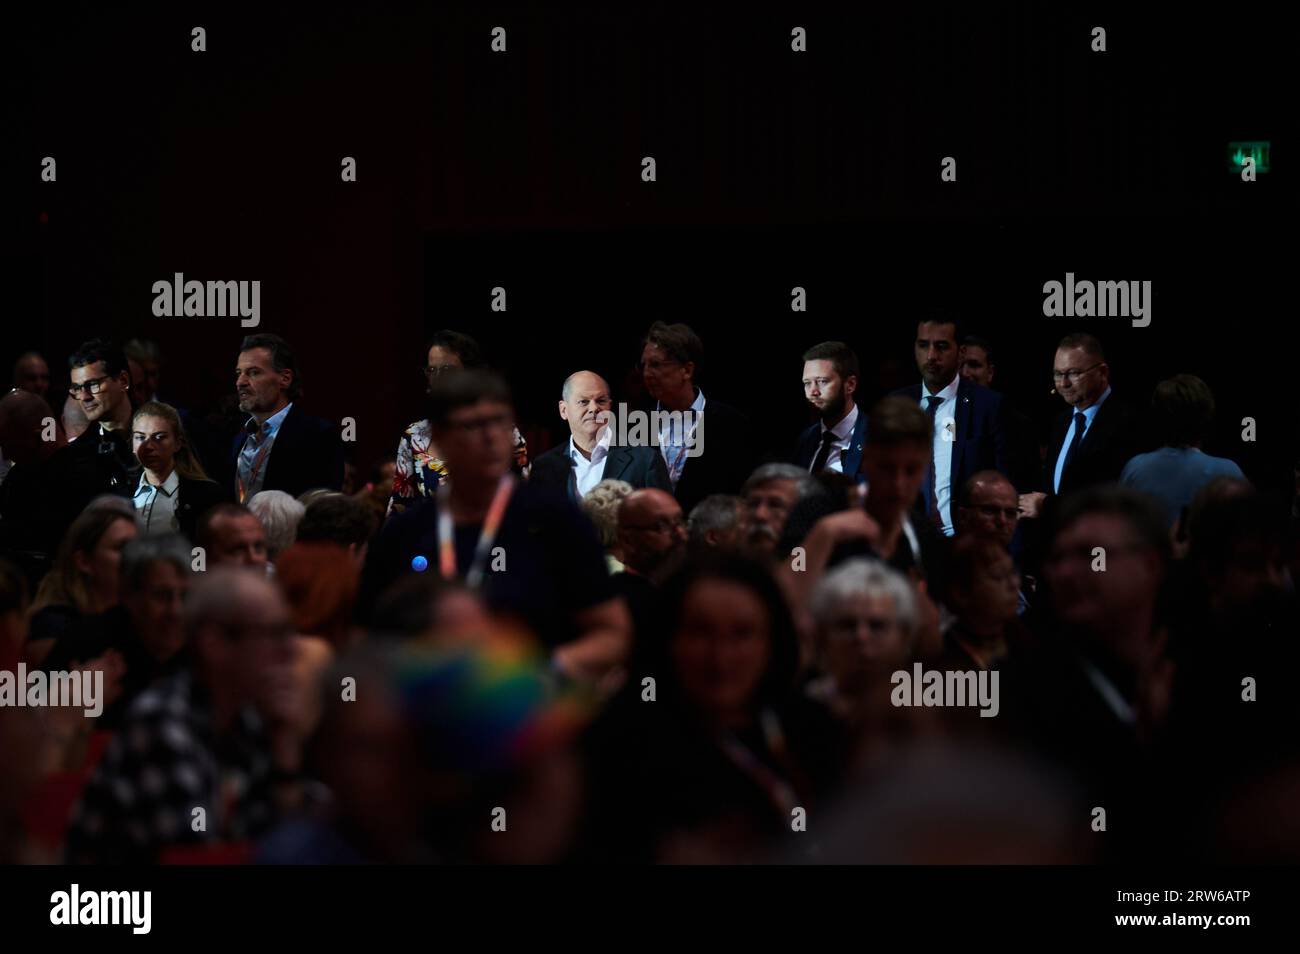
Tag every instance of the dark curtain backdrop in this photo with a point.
(775, 169)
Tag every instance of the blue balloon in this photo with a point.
(419, 564)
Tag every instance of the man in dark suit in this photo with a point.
(592, 452)
(969, 427)
(1095, 436)
(281, 447)
(707, 445)
(830, 381)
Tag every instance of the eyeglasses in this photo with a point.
(433, 370)
(94, 385)
(662, 525)
(1074, 374)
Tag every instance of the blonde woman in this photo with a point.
(173, 492)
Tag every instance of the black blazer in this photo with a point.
(811, 439)
(197, 497)
(639, 466)
(981, 441)
(307, 454)
(1112, 439)
(728, 455)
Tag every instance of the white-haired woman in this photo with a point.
(866, 618)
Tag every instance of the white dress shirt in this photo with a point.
(944, 436)
(588, 473)
(157, 505)
(1089, 415)
(843, 432)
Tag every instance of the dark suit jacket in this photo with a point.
(639, 466)
(1112, 439)
(307, 454)
(197, 497)
(811, 439)
(981, 441)
(728, 456)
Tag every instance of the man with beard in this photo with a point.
(968, 426)
(280, 448)
(830, 380)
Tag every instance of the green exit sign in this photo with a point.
(1239, 152)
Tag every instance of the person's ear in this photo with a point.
(688, 368)
(564, 411)
(850, 385)
(81, 560)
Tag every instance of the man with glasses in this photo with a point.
(100, 461)
(1097, 685)
(652, 534)
(531, 555)
(707, 446)
(989, 507)
(1095, 437)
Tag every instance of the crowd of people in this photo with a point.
(682, 646)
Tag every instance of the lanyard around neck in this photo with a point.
(487, 535)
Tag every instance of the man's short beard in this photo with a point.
(833, 409)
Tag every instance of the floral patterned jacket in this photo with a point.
(420, 469)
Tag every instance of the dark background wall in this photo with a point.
(775, 169)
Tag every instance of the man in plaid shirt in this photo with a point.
(217, 736)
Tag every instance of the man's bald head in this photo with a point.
(22, 427)
(31, 373)
(652, 531)
(585, 402)
(989, 506)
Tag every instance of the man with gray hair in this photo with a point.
(590, 454)
(718, 524)
(142, 636)
(769, 494)
(217, 729)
